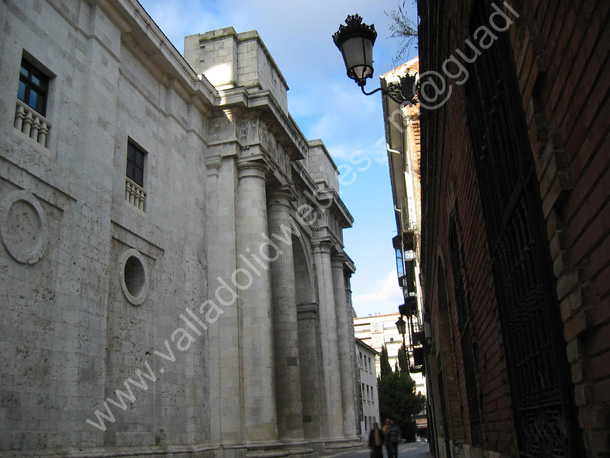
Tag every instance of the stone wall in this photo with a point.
(126, 323)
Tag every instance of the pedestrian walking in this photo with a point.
(376, 439)
(385, 429)
(393, 439)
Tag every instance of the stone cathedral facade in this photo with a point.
(172, 273)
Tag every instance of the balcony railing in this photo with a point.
(135, 194)
(32, 123)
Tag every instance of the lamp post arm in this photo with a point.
(393, 91)
(372, 92)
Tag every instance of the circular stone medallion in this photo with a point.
(23, 226)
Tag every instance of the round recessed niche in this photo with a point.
(23, 227)
(134, 277)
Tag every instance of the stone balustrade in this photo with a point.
(135, 194)
(32, 123)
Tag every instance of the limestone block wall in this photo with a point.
(71, 333)
(230, 59)
(321, 166)
(113, 338)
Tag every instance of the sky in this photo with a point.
(326, 105)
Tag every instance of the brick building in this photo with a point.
(516, 226)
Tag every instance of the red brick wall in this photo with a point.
(561, 51)
(453, 175)
(561, 54)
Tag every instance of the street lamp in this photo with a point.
(401, 326)
(402, 329)
(355, 40)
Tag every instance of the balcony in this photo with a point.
(135, 194)
(31, 123)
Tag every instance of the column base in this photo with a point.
(279, 449)
(333, 446)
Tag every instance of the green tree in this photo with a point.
(398, 401)
(403, 361)
(385, 362)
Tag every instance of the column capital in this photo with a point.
(324, 245)
(281, 195)
(338, 260)
(213, 164)
(310, 308)
(255, 169)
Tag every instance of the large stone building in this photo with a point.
(516, 229)
(172, 273)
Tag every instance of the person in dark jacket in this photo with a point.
(392, 439)
(376, 441)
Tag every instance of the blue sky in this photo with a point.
(326, 105)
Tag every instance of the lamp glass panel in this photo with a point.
(358, 56)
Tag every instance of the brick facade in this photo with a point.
(560, 62)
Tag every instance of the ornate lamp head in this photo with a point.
(355, 41)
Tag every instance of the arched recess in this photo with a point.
(309, 338)
(303, 272)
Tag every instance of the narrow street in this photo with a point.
(405, 450)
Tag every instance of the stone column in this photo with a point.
(345, 345)
(333, 409)
(348, 270)
(252, 280)
(285, 325)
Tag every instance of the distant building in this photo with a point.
(367, 393)
(380, 331)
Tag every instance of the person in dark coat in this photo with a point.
(376, 441)
(393, 439)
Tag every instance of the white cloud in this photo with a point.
(383, 296)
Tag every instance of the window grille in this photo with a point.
(466, 342)
(541, 387)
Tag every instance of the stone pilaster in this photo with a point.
(223, 343)
(333, 408)
(309, 345)
(254, 252)
(285, 325)
(345, 343)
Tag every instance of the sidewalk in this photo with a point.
(405, 450)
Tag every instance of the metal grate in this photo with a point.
(535, 350)
(468, 358)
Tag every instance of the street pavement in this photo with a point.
(405, 450)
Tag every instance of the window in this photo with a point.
(135, 164)
(32, 95)
(134, 184)
(33, 87)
